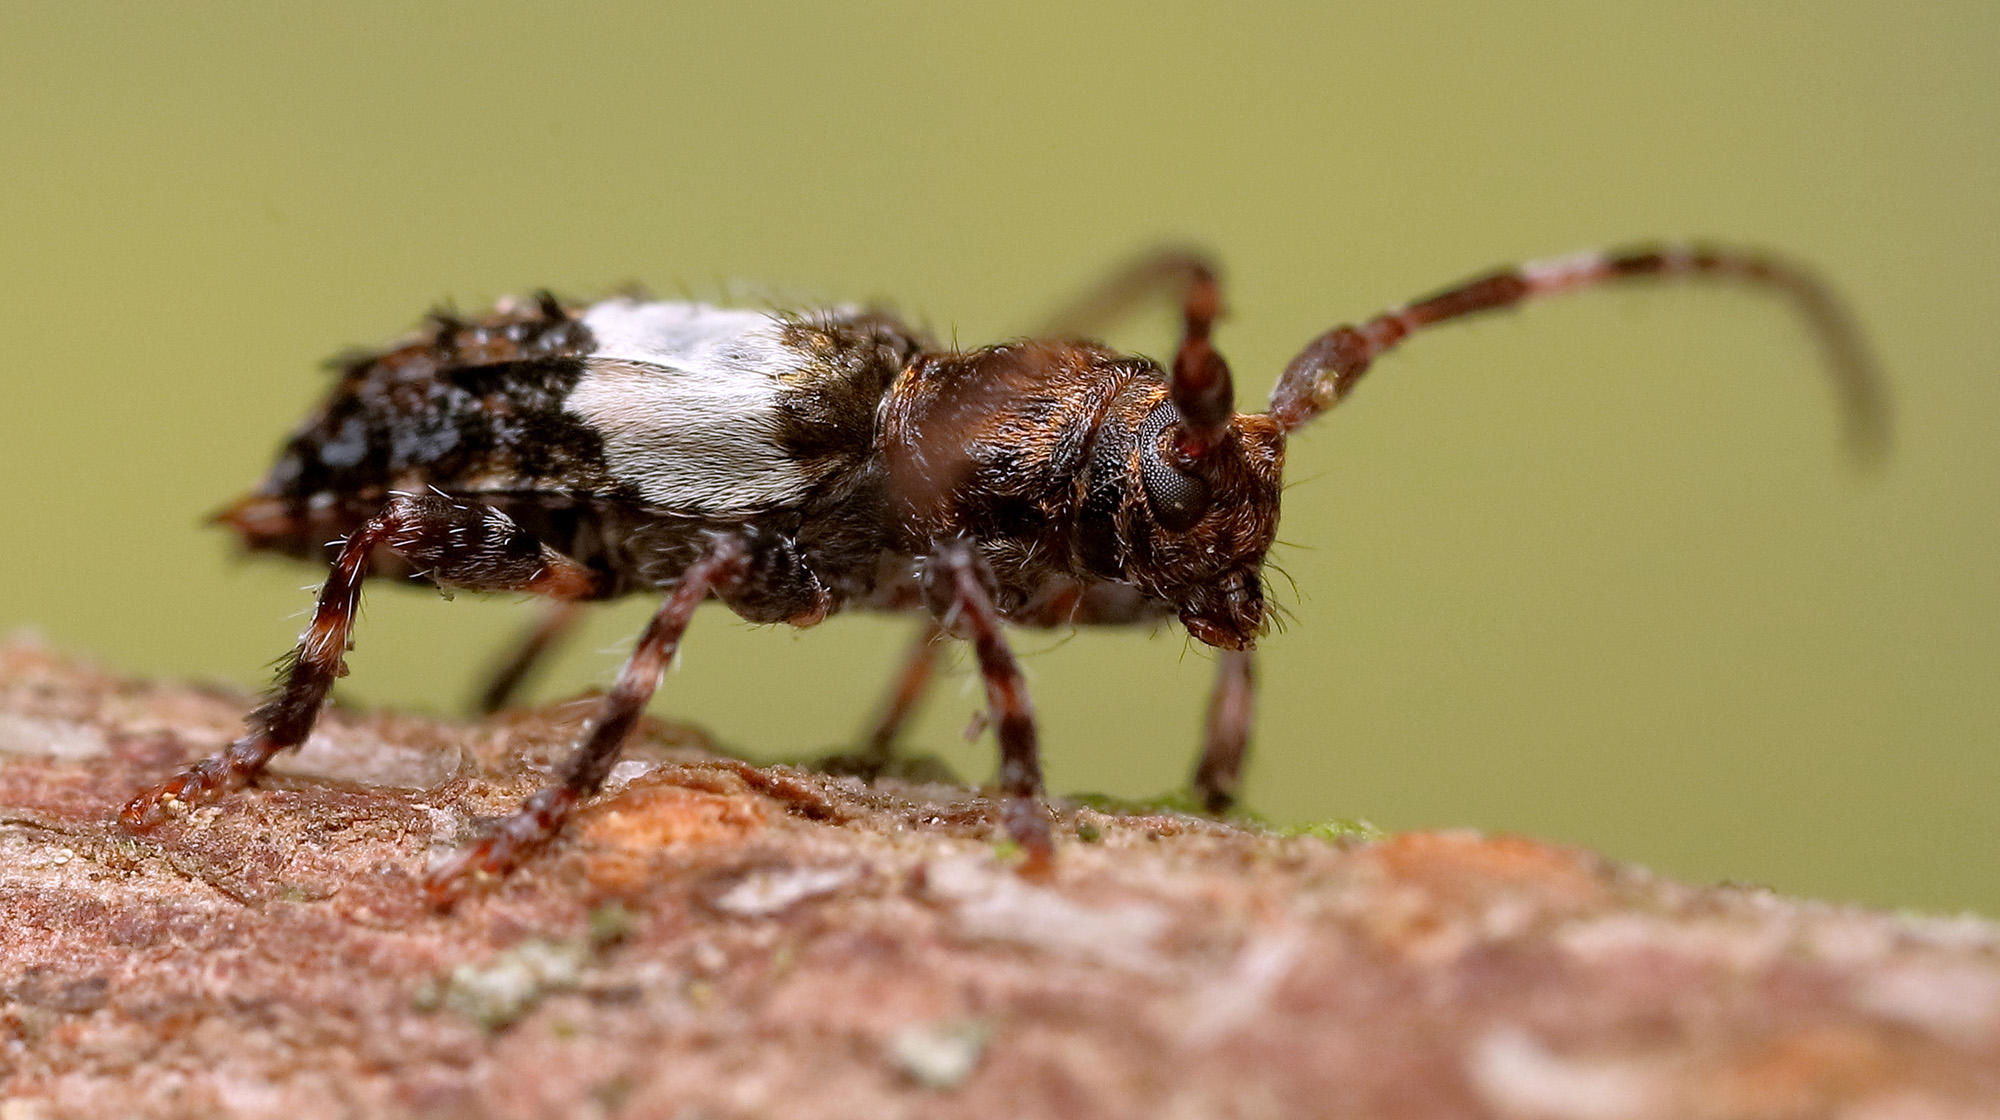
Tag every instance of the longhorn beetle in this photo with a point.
(796, 464)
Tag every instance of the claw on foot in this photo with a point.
(197, 785)
(513, 840)
(1028, 826)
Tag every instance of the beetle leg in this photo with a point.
(1232, 709)
(719, 568)
(558, 619)
(468, 546)
(776, 585)
(970, 598)
(912, 683)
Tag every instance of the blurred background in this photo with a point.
(1595, 572)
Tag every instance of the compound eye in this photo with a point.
(1177, 497)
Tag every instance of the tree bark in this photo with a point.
(712, 939)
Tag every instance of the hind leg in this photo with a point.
(721, 568)
(467, 546)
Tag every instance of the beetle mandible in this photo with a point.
(792, 465)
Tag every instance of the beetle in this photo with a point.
(796, 464)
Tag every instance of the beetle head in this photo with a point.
(1191, 529)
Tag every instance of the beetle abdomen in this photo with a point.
(694, 411)
(463, 406)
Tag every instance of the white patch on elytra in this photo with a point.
(686, 397)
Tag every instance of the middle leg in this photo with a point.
(558, 619)
(912, 683)
(967, 586)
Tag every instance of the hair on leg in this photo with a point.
(968, 584)
(719, 567)
(467, 546)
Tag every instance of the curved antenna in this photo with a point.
(1201, 386)
(1166, 272)
(1327, 369)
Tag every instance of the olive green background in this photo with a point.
(1595, 572)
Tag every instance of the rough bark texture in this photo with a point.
(714, 940)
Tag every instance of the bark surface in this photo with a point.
(711, 939)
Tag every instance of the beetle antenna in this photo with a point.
(1163, 274)
(1327, 369)
(1201, 387)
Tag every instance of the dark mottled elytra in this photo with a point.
(795, 465)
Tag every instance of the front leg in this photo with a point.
(721, 568)
(1231, 709)
(967, 586)
(467, 546)
(1231, 705)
